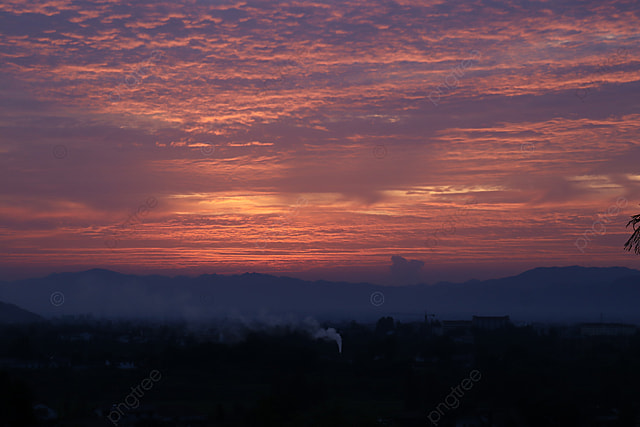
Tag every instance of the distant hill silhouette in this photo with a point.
(555, 293)
(9, 313)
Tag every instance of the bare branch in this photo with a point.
(634, 240)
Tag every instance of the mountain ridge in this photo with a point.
(11, 313)
(536, 294)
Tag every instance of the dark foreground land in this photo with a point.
(80, 372)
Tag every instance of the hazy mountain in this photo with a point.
(557, 293)
(9, 313)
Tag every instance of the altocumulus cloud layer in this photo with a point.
(228, 113)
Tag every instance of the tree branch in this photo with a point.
(634, 240)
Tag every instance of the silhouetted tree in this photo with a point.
(16, 402)
(634, 240)
(384, 325)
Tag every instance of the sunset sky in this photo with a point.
(318, 139)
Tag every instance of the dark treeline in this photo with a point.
(72, 373)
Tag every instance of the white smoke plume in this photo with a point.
(234, 327)
(330, 334)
